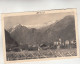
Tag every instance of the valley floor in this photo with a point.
(24, 55)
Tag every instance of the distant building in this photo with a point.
(59, 43)
(73, 41)
(67, 42)
(55, 43)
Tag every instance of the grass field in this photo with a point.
(24, 55)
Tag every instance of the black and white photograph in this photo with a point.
(40, 35)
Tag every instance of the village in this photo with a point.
(45, 46)
(45, 50)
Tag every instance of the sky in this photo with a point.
(36, 20)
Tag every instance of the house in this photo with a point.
(59, 43)
(67, 44)
(16, 49)
(32, 48)
(73, 43)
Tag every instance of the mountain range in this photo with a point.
(64, 29)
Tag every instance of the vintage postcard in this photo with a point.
(40, 35)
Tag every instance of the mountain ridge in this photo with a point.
(48, 34)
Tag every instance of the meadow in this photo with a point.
(25, 55)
